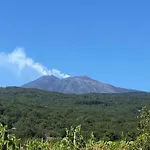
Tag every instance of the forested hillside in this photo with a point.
(37, 113)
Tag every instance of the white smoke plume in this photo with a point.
(18, 62)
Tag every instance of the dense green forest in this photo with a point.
(40, 114)
(74, 140)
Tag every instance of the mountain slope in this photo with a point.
(75, 85)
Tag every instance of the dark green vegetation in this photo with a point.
(36, 113)
(74, 140)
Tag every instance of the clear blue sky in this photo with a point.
(106, 40)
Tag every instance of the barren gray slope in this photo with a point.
(76, 85)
